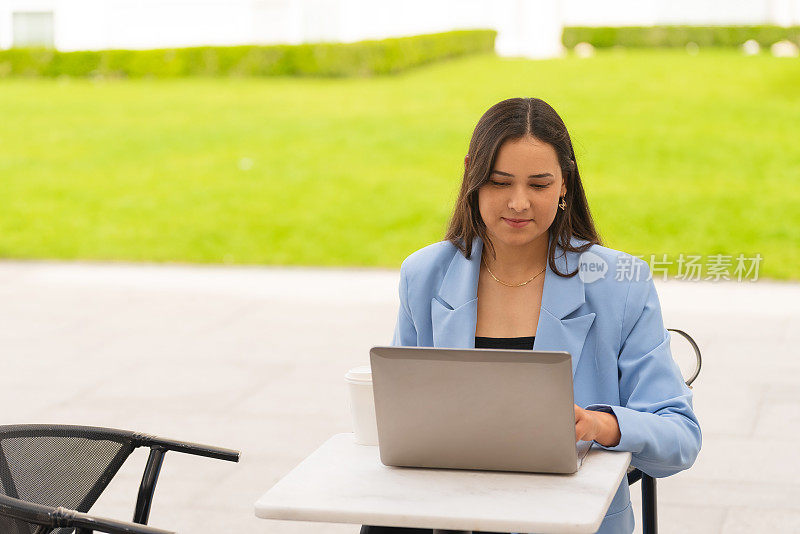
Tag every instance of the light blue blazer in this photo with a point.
(612, 327)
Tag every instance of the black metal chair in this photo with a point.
(649, 511)
(23, 517)
(51, 475)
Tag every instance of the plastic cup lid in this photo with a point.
(362, 373)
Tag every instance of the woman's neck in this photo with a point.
(514, 262)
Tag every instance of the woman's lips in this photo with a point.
(516, 223)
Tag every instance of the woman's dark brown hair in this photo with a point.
(509, 120)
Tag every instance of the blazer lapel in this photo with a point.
(557, 330)
(454, 311)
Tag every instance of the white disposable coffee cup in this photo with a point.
(362, 405)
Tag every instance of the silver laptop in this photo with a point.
(492, 409)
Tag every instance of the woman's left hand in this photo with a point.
(601, 427)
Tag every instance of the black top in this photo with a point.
(518, 343)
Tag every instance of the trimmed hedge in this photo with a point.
(363, 58)
(673, 36)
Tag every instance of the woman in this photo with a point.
(547, 283)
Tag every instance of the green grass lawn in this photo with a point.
(678, 153)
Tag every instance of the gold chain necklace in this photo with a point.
(504, 283)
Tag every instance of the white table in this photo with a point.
(343, 482)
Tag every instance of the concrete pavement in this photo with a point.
(253, 358)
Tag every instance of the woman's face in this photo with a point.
(525, 183)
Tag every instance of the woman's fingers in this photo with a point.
(581, 430)
(584, 424)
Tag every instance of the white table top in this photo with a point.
(343, 482)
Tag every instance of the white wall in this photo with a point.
(529, 28)
(376, 19)
(138, 24)
(697, 12)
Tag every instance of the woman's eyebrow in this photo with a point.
(542, 175)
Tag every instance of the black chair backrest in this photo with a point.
(51, 475)
(697, 355)
(59, 466)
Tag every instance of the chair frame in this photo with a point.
(49, 518)
(46, 516)
(649, 509)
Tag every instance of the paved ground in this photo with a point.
(254, 358)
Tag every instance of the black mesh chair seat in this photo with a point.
(61, 471)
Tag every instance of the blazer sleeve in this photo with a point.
(405, 334)
(656, 419)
